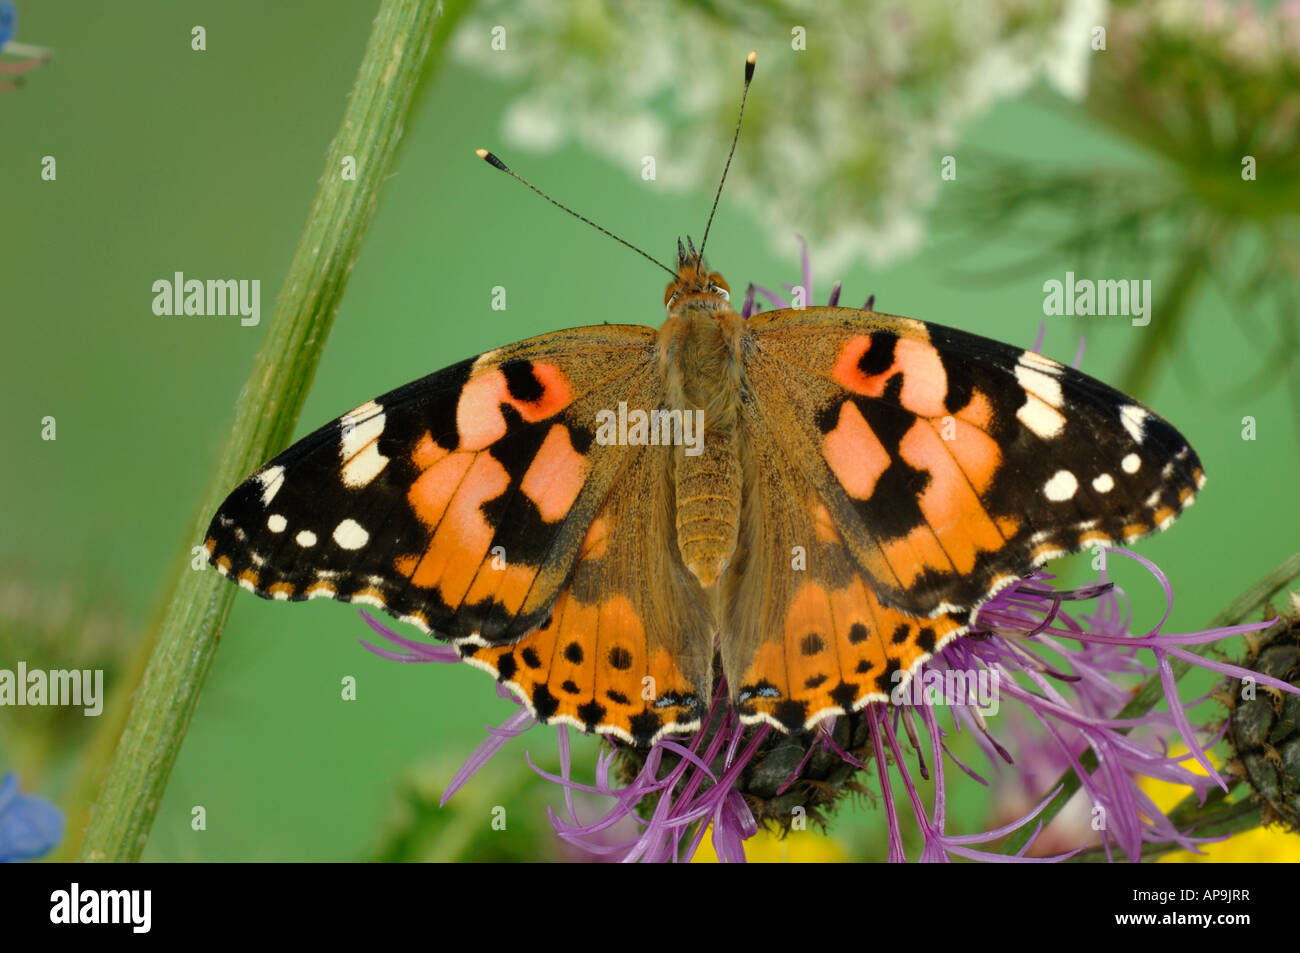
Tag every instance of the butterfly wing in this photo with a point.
(897, 475)
(806, 635)
(458, 502)
(627, 648)
(951, 464)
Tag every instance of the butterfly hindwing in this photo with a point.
(457, 502)
(628, 645)
(951, 464)
(806, 634)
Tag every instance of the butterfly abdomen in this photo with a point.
(703, 378)
(708, 508)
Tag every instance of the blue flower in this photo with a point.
(29, 57)
(8, 19)
(29, 825)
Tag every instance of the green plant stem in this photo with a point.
(1152, 690)
(196, 609)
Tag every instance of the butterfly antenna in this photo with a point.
(495, 162)
(750, 60)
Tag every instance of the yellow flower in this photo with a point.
(1259, 845)
(765, 847)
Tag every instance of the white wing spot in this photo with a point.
(1034, 359)
(276, 523)
(359, 445)
(305, 538)
(1132, 463)
(1041, 385)
(271, 481)
(1061, 486)
(350, 535)
(1104, 483)
(1039, 418)
(1133, 418)
(1153, 499)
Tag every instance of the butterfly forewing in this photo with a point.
(457, 502)
(952, 464)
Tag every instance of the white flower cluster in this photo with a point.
(853, 107)
(1254, 37)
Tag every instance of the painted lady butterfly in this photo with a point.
(863, 483)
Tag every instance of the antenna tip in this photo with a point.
(750, 60)
(491, 159)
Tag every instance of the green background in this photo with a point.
(173, 160)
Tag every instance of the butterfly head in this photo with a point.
(695, 286)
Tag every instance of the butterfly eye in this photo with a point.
(721, 292)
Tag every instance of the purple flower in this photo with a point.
(751, 307)
(29, 825)
(1066, 677)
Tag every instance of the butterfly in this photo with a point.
(810, 502)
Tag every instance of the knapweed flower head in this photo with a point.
(859, 101)
(1264, 724)
(1068, 676)
(15, 58)
(30, 826)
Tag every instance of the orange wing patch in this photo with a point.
(865, 367)
(479, 419)
(855, 455)
(591, 666)
(954, 516)
(448, 499)
(839, 649)
(555, 476)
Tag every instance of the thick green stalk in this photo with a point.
(267, 412)
(1152, 690)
